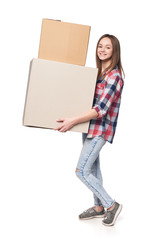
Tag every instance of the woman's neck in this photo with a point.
(105, 64)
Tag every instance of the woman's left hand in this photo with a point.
(67, 124)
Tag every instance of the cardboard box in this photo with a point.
(58, 90)
(64, 42)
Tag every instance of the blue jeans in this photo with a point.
(88, 170)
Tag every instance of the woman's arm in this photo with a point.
(68, 123)
(112, 89)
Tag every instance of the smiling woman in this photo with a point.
(108, 54)
(104, 52)
(103, 120)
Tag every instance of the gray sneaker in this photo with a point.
(111, 216)
(91, 213)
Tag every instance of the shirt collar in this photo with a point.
(105, 73)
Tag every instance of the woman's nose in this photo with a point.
(102, 49)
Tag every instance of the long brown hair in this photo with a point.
(115, 59)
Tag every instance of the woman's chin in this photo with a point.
(103, 59)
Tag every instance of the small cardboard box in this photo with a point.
(58, 90)
(64, 42)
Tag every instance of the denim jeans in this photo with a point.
(88, 169)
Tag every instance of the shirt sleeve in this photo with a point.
(111, 89)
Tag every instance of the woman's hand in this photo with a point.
(67, 124)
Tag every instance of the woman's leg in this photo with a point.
(96, 173)
(88, 156)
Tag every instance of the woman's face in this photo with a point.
(105, 49)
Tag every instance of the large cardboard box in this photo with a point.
(58, 90)
(64, 42)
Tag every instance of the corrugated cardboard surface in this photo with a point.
(64, 42)
(58, 90)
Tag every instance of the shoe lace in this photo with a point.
(88, 210)
(108, 214)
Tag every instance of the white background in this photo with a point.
(40, 196)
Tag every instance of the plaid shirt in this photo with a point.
(106, 102)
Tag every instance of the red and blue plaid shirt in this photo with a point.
(106, 102)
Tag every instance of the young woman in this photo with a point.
(103, 120)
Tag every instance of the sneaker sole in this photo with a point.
(98, 216)
(115, 217)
